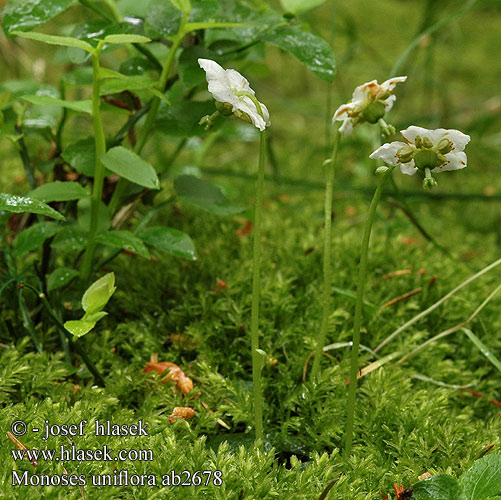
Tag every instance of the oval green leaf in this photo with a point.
(169, 240)
(98, 294)
(24, 15)
(84, 106)
(33, 237)
(60, 277)
(125, 38)
(21, 204)
(441, 487)
(58, 191)
(62, 41)
(130, 166)
(483, 479)
(124, 240)
(314, 52)
(205, 195)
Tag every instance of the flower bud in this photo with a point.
(381, 170)
(444, 146)
(373, 112)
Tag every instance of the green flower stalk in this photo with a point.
(428, 151)
(234, 95)
(327, 266)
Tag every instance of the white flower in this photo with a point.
(434, 150)
(233, 90)
(369, 102)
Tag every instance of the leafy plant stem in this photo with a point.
(256, 286)
(100, 145)
(152, 113)
(362, 279)
(327, 267)
(25, 158)
(97, 376)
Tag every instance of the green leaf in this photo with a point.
(70, 239)
(24, 15)
(125, 240)
(181, 119)
(204, 195)
(483, 479)
(64, 41)
(21, 204)
(314, 52)
(162, 19)
(83, 326)
(43, 100)
(483, 348)
(33, 237)
(126, 38)
(296, 6)
(119, 84)
(98, 294)
(441, 487)
(81, 156)
(190, 72)
(60, 277)
(130, 166)
(169, 240)
(84, 213)
(58, 191)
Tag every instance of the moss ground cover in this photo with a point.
(196, 314)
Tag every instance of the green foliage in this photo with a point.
(22, 204)
(94, 300)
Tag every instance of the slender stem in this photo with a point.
(152, 113)
(362, 278)
(100, 146)
(25, 157)
(327, 268)
(256, 286)
(97, 376)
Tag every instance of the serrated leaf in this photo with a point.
(130, 166)
(483, 479)
(62, 41)
(70, 239)
(58, 191)
(126, 38)
(441, 487)
(296, 6)
(314, 52)
(24, 15)
(125, 240)
(205, 195)
(98, 294)
(42, 100)
(33, 237)
(21, 204)
(60, 277)
(169, 240)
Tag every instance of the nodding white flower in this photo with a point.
(369, 103)
(427, 150)
(231, 89)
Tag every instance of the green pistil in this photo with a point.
(426, 158)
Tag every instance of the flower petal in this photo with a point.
(212, 69)
(347, 127)
(388, 103)
(388, 152)
(361, 92)
(457, 138)
(342, 112)
(238, 83)
(408, 168)
(455, 161)
(412, 132)
(389, 84)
